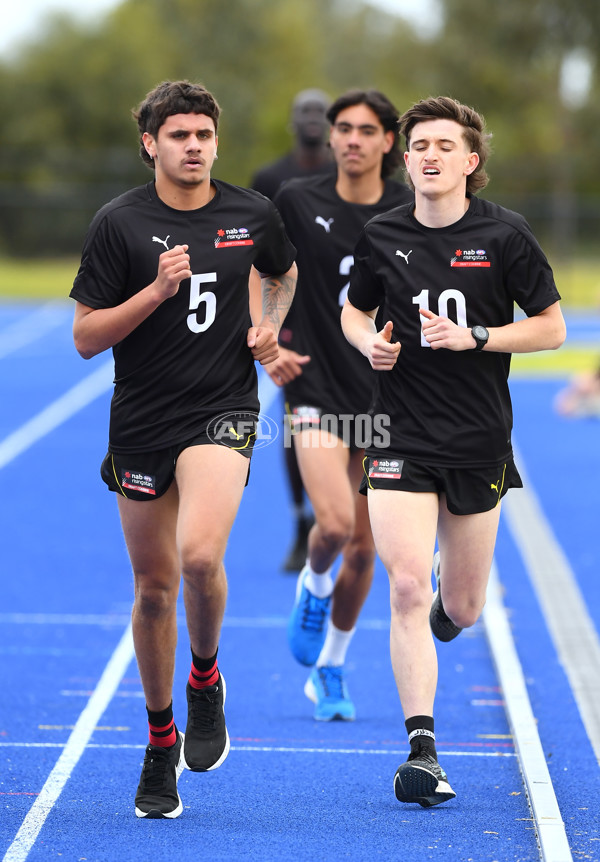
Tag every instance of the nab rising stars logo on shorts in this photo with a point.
(233, 236)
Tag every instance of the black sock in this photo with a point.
(420, 729)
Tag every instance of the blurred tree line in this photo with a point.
(69, 144)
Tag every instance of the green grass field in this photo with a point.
(579, 285)
(37, 279)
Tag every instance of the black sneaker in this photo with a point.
(422, 780)
(206, 738)
(441, 624)
(157, 794)
(298, 553)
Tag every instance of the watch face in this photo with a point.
(479, 332)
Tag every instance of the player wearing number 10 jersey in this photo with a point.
(473, 271)
(448, 273)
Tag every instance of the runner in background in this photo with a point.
(310, 155)
(328, 398)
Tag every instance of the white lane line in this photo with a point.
(547, 818)
(33, 326)
(276, 749)
(120, 620)
(19, 618)
(564, 608)
(82, 394)
(73, 750)
(12, 446)
(400, 752)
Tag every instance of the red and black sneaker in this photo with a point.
(206, 738)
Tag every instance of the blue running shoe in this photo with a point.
(327, 688)
(307, 624)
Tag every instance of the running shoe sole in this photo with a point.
(416, 784)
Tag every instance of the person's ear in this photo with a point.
(472, 163)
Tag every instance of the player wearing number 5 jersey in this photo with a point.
(448, 273)
(329, 400)
(163, 281)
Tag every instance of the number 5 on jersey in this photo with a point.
(198, 298)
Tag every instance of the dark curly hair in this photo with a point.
(168, 98)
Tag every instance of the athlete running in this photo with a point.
(448, 271)
(328, 398)
(163, 281)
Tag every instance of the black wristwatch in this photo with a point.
(481, 335)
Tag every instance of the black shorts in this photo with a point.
(354, 430)
(468, 490)
(149, 475)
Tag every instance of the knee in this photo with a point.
(155, 601)
(199, 563)
(463, 612)
(359, 555)
(408, 594)
(335, 529)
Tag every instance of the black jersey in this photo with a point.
(188, 362)
(324, 228)
(268, 179)
(447, 407)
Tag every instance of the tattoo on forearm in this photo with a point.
(277, 295)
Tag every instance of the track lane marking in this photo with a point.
(566, 615)
(267, 749)
(33, 326)
(73, 750)
(74, 400)
(550, 828)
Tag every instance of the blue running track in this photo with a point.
(518, 706)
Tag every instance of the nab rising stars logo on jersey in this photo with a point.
(469, 257)
(233, 236)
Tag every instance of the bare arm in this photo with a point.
(277, 296)
(255, 296)
(543, 331)
(360, 330)
(97, 329)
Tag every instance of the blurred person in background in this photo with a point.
(163, 281)
(309, 155)
(448, 271)
(581, 397)
(328, 398)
